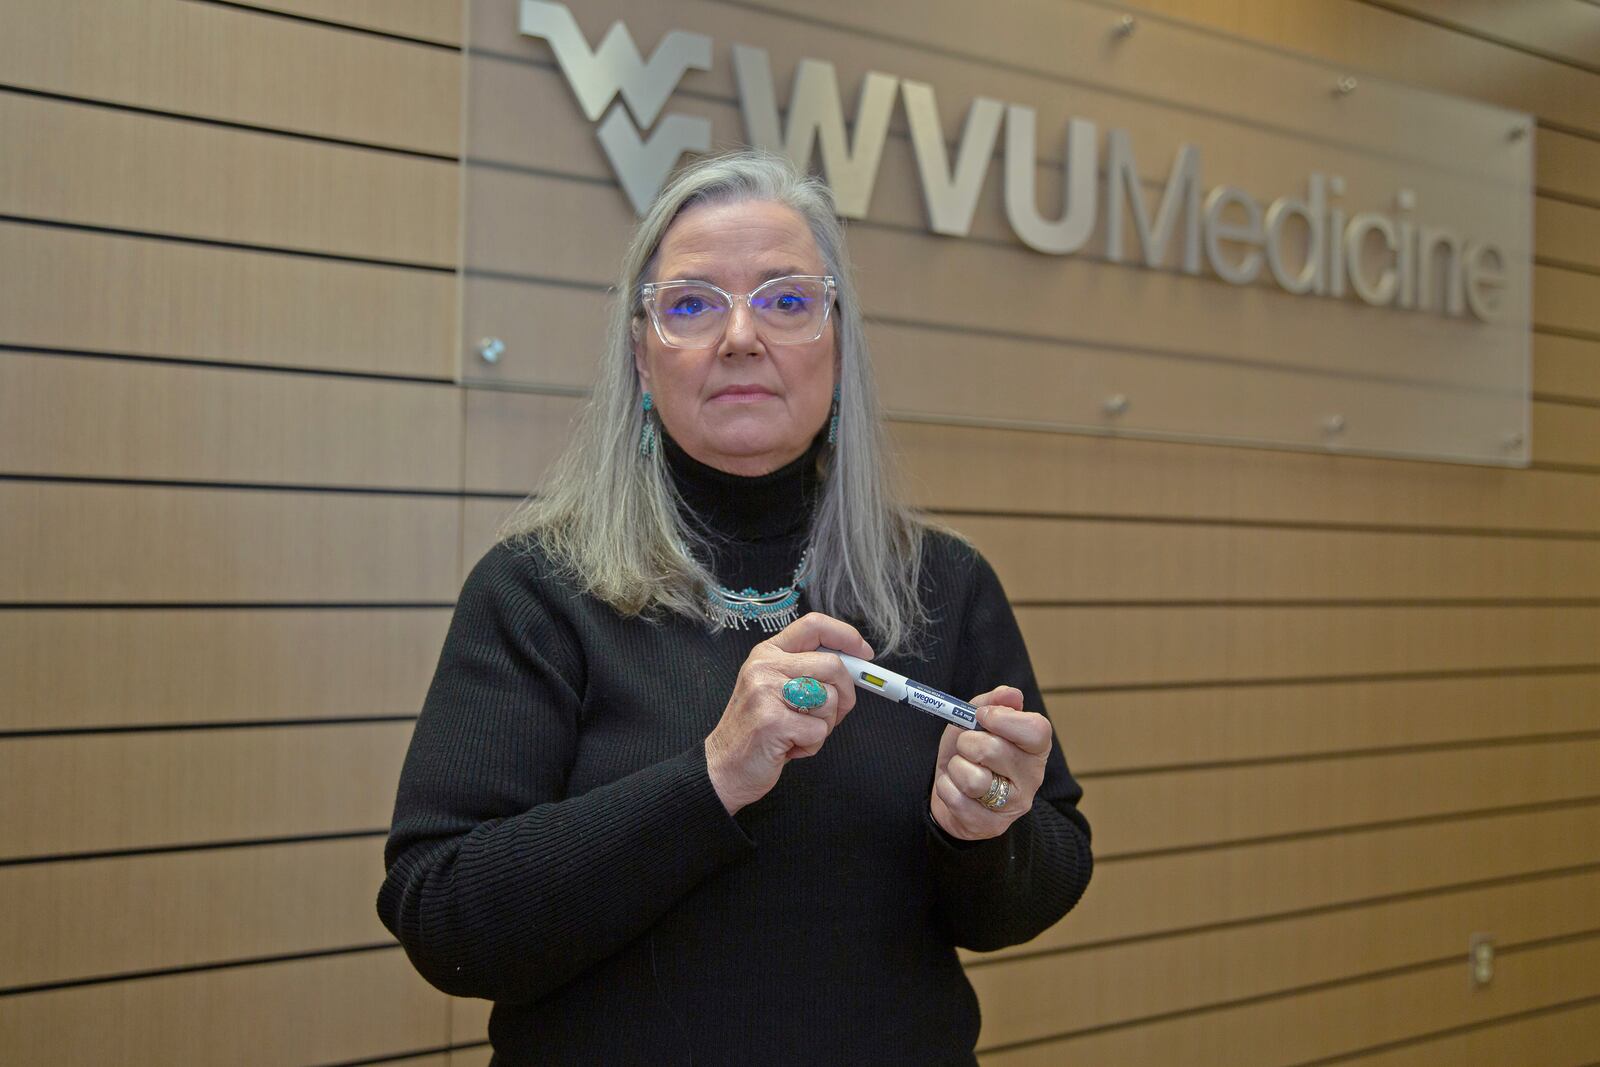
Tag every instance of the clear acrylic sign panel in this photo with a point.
(1136, 228)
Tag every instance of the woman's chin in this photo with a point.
(751, 454)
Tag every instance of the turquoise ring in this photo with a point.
(804, 694)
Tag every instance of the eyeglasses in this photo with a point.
(791, 310)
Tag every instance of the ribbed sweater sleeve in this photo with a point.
(499, 884)
(1011, 888)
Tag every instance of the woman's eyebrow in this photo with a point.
(764, 276)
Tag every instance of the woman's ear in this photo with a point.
(636, 334)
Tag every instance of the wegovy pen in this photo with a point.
(903, 690)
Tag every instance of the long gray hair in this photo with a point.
(609, 518)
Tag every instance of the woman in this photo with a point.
(642, 812)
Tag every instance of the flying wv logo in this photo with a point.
(597, 77)
(815, 118)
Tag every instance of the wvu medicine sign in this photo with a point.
(1422, 267)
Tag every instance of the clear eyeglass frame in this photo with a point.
(649, 291)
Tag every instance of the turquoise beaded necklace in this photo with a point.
(771, 611)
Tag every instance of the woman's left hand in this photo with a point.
(1013, 744)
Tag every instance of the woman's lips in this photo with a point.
(742, 394)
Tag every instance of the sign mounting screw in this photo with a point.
(1480, 954)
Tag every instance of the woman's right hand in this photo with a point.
(759, 732)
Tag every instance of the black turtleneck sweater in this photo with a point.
(558, 847)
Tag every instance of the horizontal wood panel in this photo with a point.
(1566, 164)
(469, 1019)
(100, 917)
(1139, 645)
(1178, 809)
(105, 167)
(133, 419)
(1166, 64)
(1118, 731)
(512, 438)
(1567, 232)
(90, 668)
(1566, 299)
(1037, 997)
(216, 545)
(1138, 897)
(144, 790)
(978, 469)
(328, 1010)
(1564, 1038)
(239, 66)
(432, 20)
(106, 293)
(1566, 433)
(1341, 1019)
(554, 334)
(479, 520)
(950, 467)
(1365, 37)
(1566, 366)
(1566, 29)
(1064, 559)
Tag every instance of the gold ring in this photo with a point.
(999, 792)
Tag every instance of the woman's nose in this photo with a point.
(741, 334)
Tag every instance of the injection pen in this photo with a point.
(903, 690)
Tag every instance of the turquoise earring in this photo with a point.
(647, 437)
(833, 420)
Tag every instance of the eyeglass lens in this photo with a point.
(786, 310)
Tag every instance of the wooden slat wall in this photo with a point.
(1332, 714)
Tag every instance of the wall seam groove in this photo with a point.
(1323, 679)
(228, 124)
(348, 27)
(194, 968)
(1437, 818)
(217, 242)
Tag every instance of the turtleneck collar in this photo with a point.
(747, 509)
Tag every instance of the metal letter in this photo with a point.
(643, 165)
(1312, 209)
(1219, 229)
(616, 66)
(1355, 239)
(816, 113)
(1428, 242)
(1485, 305)
(1183, 182)
(1079, 176)
(951, 199)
